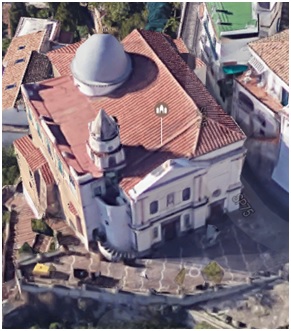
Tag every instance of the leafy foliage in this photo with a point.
(40, 226)
(17, 10)
(65, 14)
(204, 325)
(55, 325)
(122, 17)
(10, 170)
(213, 272)
(5, 217)
(163, 17)
(25, 248)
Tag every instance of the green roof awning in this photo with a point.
(235, 69)
(231, 16)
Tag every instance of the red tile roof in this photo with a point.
(34, 158)
(160, 75)
(14, 72)
(47, 174)
(274, 51)
(61, 58)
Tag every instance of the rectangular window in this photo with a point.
(9, 87)
(285, 97)
(170, 199)
(49, 148)
(19, 61)
(72, 183)
(186, 194)
(154, 206)
(155, 233)
(21, 47)
(29, 114)
(38, 130)
(60, 166)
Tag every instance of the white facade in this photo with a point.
(269, 17)
(184, 192)
(225, 49)
(281, 171)
(176, 197)
(260, 121)
(255, 118)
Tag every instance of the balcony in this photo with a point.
(253, 85)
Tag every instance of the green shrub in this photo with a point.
(5, 217)
(52, 247)
(204, 325)
(10, 170)
(213, 272)
(25, 248)
(40, 226)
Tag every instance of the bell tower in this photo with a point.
(103, 146)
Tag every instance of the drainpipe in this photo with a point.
(184, 5)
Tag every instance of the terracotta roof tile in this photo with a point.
(159, 74)
(47, 174)
(182, 48)
(72, 209)
(61, 58)
(34, 158)
(274, 51)
(14, 72)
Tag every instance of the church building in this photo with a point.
(119, 173)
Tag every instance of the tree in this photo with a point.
(17, 10)
(5, 44)
(53, 6)
(10, 170)
(31, 11)
(43, 13)
(65, 15)
(122, 17)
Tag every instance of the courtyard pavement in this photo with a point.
(244, 247)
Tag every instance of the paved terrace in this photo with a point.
(236, 252)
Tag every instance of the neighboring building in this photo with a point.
(28, 25)
(36, 171)
(227, 29)
(20, 66)
(56, 38)
(118, 180)
(261, 102)
(15, 64)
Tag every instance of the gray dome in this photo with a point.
(101, 60)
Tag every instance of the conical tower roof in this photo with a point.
(104, 126)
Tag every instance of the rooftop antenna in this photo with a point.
(161, 110)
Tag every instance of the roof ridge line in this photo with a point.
(174, 78)
(183, 63)
(225, 127)
(174, 136)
